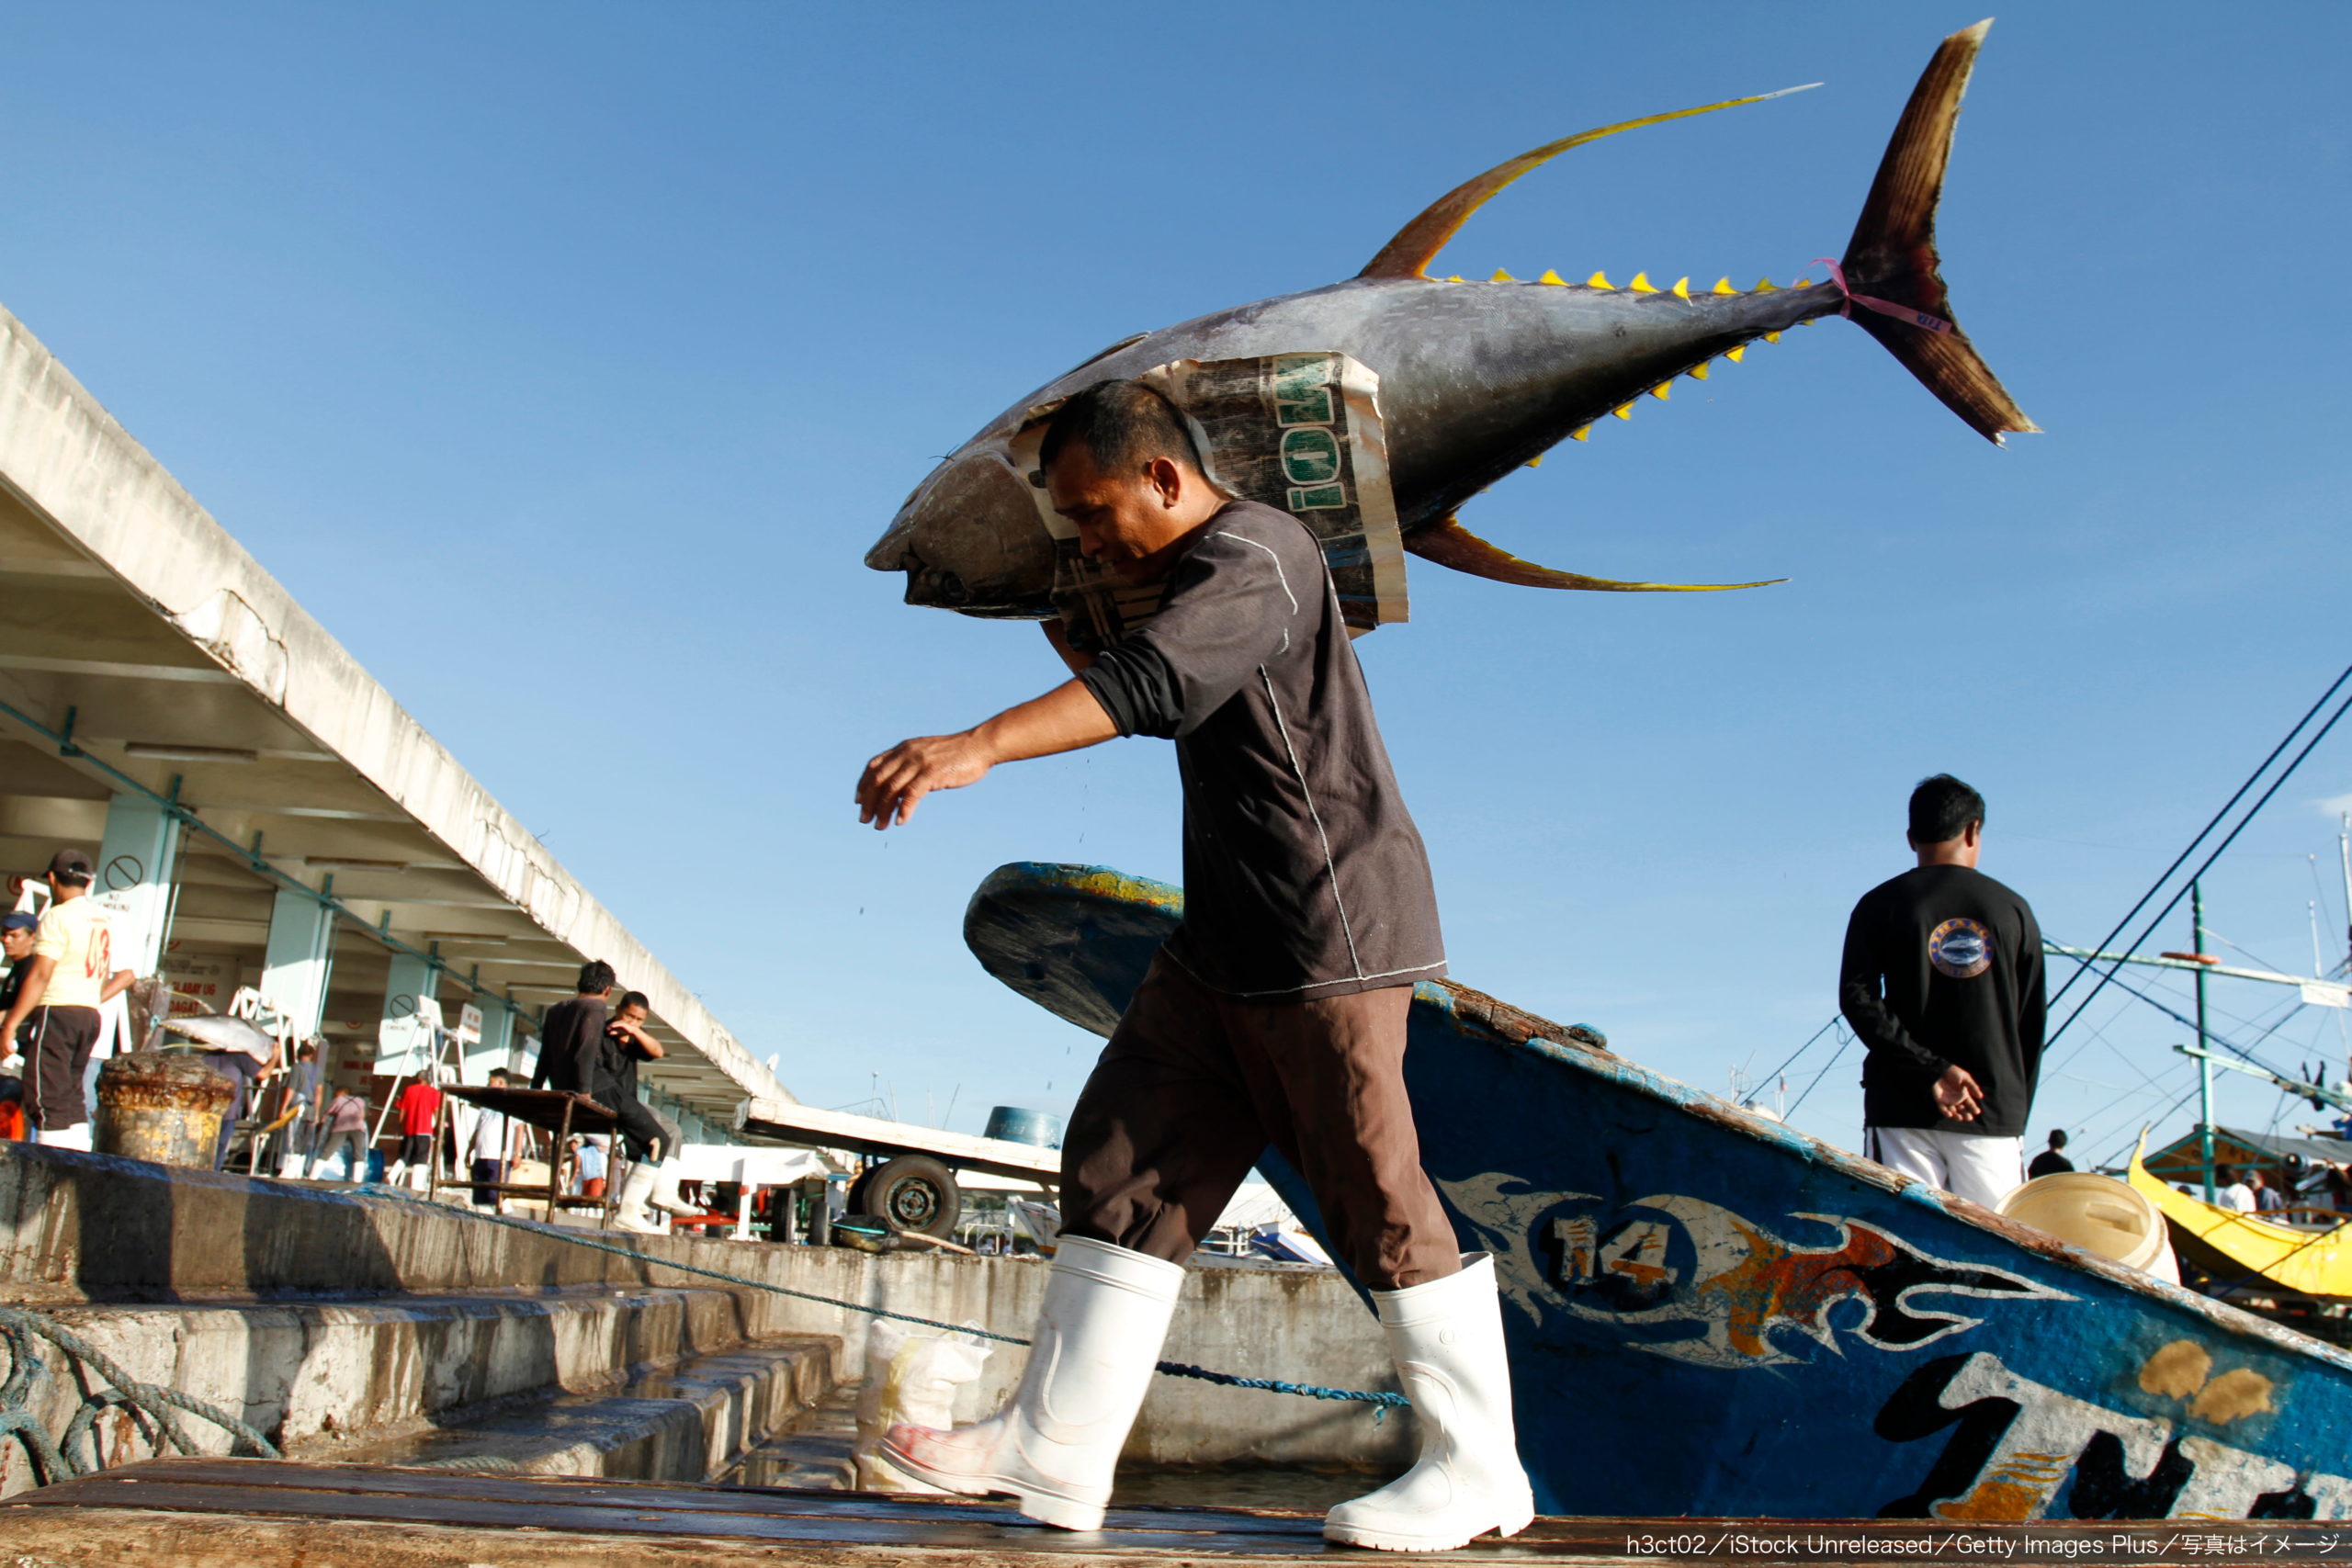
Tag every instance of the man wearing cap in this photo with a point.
(69, 976)
(17, 946)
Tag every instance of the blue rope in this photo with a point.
(1381, 1403)
(149, 1404)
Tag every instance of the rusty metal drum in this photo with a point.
(164, 1106)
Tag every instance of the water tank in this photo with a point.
(1019, 1124)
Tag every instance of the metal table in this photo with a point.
(558, 1111)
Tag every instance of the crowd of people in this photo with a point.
(61, 976)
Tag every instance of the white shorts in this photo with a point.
(1982, 1169)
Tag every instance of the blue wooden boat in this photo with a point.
(1712, 1315)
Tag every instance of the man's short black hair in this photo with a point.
(2225, 1176)
(596, 975)
(1123, 425)
(1941, 809)
(497, 1073)
(635, 1000)
(2057, 1138)
(306, 1052)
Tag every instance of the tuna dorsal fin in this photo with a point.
(1449, 544)
(1417, 243)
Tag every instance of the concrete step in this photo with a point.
(814, 1452)
(321, 1372)
(688, 1422)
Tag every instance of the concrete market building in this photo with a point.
(260, 809)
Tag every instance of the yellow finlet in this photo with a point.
(1765, 286)
(1554, 278)
(1581, 433)
(1625, 412)
(1723, 286)
(1599, 280)
(1502, 276)
(1660, 391)
(1641, 284)
(1735, 355)
(1699, 372)
(1802, 283)
(1456, 278)
(1681, 289)
(1771, 337)
(1536, 461)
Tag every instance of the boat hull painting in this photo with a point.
(1712, 1315)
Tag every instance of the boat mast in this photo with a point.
(2204, 1043)
(2344, 845)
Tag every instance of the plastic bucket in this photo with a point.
(1019, 1124)
(2099, 1214)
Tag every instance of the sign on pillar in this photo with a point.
(410, 1024)
(300, 960)
(136, 859)
(492, 1043)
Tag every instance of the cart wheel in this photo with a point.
(913, 1193)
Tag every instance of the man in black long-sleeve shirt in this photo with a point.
(1942, 979)
(1276, 1014)
(581, 1051)
(574, 1054)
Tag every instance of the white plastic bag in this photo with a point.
(911, 1377)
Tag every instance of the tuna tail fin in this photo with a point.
(1893, 252)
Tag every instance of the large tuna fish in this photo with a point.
(1476, 378)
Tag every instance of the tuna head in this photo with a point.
(969, 538)
(1477, 379)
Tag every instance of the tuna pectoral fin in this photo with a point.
(1893, 252)
(1417, 243)
(1449, 544)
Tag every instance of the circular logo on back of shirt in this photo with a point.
(1961, 948)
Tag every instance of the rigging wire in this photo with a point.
(2116, 965)
(1801, 1049)
(1843, 1047)
(2215, 822)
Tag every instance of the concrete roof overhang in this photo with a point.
(142, 648)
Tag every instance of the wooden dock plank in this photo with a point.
(262, 1514)
(683, 1496)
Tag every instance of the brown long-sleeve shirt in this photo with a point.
(1304, 875)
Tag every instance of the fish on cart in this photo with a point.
(1712, 1313)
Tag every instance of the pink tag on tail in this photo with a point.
(1883, 307)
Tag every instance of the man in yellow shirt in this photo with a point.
(69, 976)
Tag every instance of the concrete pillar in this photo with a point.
(136, 859)
(299, 959)
(403, 1047)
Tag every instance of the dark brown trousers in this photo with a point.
(57, 1044)
(1193, 1086)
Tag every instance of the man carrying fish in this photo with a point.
(1275, 1015)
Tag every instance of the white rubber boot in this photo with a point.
(1056, 1441)
(1447, 1339)
(665, 1193)
(628, 1214)
(74, 1137)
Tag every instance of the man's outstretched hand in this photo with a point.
(1959, 1096)
(1062, 721)
(896, 782)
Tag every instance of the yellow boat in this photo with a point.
(2294, 1257)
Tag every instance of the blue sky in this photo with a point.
(564, 360)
